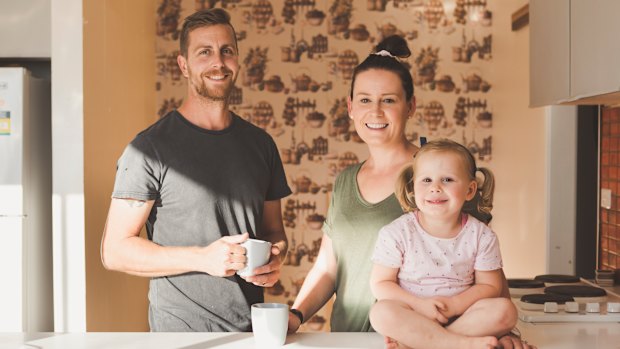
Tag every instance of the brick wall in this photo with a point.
(609, 256)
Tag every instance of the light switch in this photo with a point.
(606, 198)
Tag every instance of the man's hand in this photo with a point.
(224, 256)
(268, 274)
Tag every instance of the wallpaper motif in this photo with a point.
(297, 60)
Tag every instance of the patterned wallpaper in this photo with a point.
(297, 58)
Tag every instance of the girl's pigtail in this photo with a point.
(482, 203)
(404, 189)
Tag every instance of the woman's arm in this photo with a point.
(319, 285)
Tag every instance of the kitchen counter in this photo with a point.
(572, 335)
(545, 336)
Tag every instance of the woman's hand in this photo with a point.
(293, 323)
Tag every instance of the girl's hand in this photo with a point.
(450, 307)
(432, 308)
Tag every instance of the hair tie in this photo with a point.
(384, 53)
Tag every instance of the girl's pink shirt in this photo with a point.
(430, 266)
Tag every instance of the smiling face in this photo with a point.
(212, 62)
(379, 108)
(441, 185)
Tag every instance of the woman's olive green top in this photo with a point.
(352, 223)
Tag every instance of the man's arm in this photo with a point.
(272, 230)
(122, 249)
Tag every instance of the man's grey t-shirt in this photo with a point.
(206, 184)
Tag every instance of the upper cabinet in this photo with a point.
(595, 47)
(25, 29)
(549, 51)
(574, 52)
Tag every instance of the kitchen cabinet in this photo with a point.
(595, 47)
(574, 52)
(25, 29)
(549, 51)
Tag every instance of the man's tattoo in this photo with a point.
(135, 203)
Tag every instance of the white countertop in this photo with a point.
(545, 336)
(146, 340)
(572, 335)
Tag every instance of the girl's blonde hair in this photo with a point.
(479, 206)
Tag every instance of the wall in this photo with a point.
(296, 73)
(68, 166)
(609, 229)
(118, 103)
(561, 152)
(520, 160)
(120, 72)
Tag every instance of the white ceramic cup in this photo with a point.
(269, 324)
(257, 253)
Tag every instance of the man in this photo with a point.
(203, 180)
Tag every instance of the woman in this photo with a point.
(380, 103)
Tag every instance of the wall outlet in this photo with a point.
(606, 198)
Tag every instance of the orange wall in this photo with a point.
(119, 94)
(119, 101)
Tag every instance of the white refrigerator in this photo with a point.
(26, 286)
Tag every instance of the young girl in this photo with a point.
(437, 268)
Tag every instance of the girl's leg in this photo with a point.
(409, 328)
(486, 317)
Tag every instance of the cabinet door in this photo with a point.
(549, 51)
(595, 47)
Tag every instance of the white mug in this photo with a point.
(257, 253)
(269, 324)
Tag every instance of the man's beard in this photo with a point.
(216, 94)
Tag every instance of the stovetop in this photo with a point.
(605, 308)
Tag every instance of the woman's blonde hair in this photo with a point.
(479, 206)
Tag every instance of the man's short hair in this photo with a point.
(204, 18)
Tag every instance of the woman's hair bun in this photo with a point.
(396, 45)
